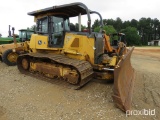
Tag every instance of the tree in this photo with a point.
(95, 24)
(33, 27)
(110, 21)
(118, 24)
(77, 27)
(0, 35)
(134, 23)
(148, 29)
(126, 24)
(155, 27)
(108, 28)
(132, 37)
(72, 27)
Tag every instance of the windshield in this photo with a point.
(29, 33)
(22, 34)
(60, 24)
(56, 24)
(66, 25)
(42, 25)
(25, 35)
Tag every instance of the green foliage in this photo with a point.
(77, 27)
(33, 27)
(72, 27)
(118, 24)
(96, 24)
(147, 28)
(132, 37)
(108, 28)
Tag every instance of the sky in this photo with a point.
(14, 12)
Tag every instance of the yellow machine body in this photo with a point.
(77, 56)
(75, 46)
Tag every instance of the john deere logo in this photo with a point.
(39, 42)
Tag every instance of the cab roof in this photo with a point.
(26, 30)
(71, 10)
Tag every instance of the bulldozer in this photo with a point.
(9, 52)
(77, 57)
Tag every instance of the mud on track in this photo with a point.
(26, 98)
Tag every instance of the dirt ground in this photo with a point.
(27, 98)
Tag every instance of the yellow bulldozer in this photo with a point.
(76, 56)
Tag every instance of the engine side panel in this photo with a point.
(79, 47)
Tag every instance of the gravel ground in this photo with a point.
(27, 98)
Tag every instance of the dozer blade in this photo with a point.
(123, 82)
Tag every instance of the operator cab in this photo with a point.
(116, 38)
(25, 34)
(55, 27)
(54, 21)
